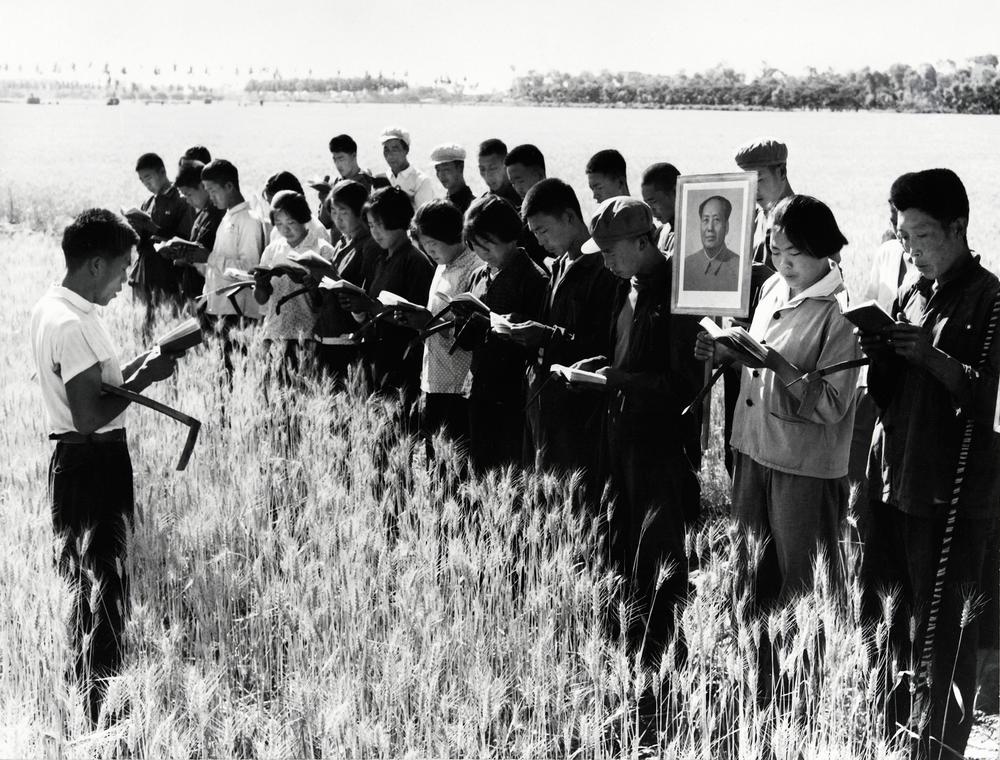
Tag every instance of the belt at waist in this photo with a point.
(111, 436)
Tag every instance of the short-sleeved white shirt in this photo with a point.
(67, 337)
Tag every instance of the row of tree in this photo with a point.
(972, 87)
(364, 84)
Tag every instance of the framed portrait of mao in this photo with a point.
(713, 248)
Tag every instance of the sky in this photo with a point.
(481, 42)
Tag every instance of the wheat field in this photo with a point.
(313, 586)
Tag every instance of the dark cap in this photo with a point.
(618, 218)
(761, 153)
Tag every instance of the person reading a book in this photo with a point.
(508, 283)
(651, 376)
(290, 322)
(564, 423)
(445, 379)
(162, 216)
(492, 154)
(400, 269)
(934, 383)
(714, 266)
(90, 473)
(354, 258)
(792, 437)
(186, 254)
(275, 184)
(239, 242)
(659, 191)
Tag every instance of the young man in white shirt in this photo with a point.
(90, 473)
(396, 150)
(239, 242)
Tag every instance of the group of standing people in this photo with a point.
(460, 306)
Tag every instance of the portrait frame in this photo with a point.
(720, 288)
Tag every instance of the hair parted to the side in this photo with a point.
(351, 194)
(221, 172)
(526, 155)
(292, 203)
(662, 176)
(391, 206)
(189, 174)
(441, 220)
(727, 205)
(551, 196)
(809, 225)
(343, 144)
(97, 232)
(493, 147)
(937, 192)
(149, 162)
(608, 162)
(491, 219)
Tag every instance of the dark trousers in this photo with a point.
(224, 324)
(447, 412)
(334, 360)
(90, 487)
(904, 551)
(655, 490)
(865, 417)
(496, 432)
(796, 515)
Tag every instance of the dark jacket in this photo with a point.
(363, 253)
(203, 230)
(565, 423)
(498, 364)
(408, 273)
(663, 374)
(921, 422)
(173, 217)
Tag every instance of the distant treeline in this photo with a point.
(972, 87)
(365, 84)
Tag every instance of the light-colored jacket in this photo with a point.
(806, 430)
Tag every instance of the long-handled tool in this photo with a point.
(193, 425)
(830, 369)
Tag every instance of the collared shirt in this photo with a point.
(462, 199)
(296, 319)
(445, 372)
(922, 423)
(719, 272)
(67, 337)
(807, 434)
(239, 241)
(415, 184)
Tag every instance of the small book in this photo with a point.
(181, 337)
(237, 274)
(737, 339)
(328, 283)
(466, 299)
(572, 375)
(313, 262)
(389, 299)
(869, 317)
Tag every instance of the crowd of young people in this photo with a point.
(491, 292)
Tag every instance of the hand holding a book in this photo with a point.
(531, 334)
(707, 349)
(156, 365)
(909, 342)
(357, 303)
(415, 319)
(262, 288)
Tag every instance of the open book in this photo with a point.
(466, 299)
(500, 324)
(869, 317)
(737, 339)
(181, 337)
(313, 262)
(388, 298)
(343, 286)
(571, 375)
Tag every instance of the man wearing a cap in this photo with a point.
(449, 163)
(396, 149)
(651, 376)
(769, 158)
